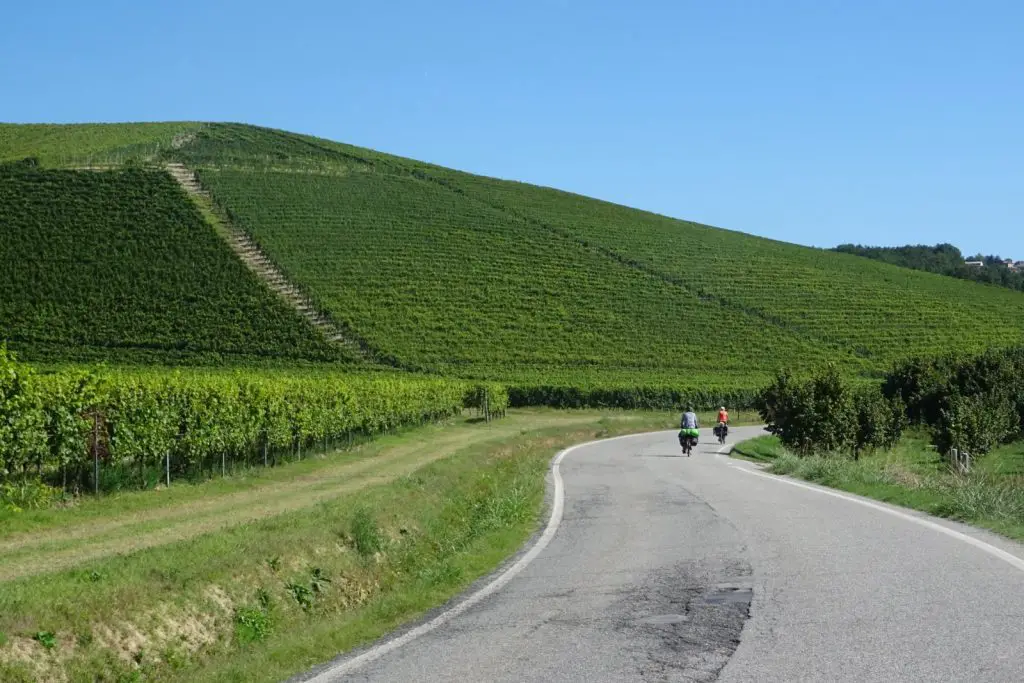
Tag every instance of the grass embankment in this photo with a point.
(915, 476)
(256, 577)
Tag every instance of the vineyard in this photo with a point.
(88, 144)
(567, 301)
(118, 264)
(252, 147)
(465, 289)
(100, 430)
(877, 312)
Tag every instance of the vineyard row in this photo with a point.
(91, 430)
(88, 431)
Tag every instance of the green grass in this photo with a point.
(913, 475)
(96, 263)
(264, 599)
(255, 147)
(762, 449)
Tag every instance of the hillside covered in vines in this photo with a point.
(554, 293)
(118, 265)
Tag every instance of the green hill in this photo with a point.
(869, 309)
(119, 265)
(480, 277)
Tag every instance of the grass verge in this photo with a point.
(267, 596)
(913, 475)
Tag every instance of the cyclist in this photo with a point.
(688, 426)
(723, 424)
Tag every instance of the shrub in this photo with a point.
(51, 425)
(971, 403)
(880, 420)
(921, 384)
(487, 399)
(976, 424)
(816, 415)
(46, 638)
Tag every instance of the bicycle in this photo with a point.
(721, 431)
(687, 441)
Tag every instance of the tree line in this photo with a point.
(969, 402)
(944, 259)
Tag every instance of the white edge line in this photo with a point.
(999, 553)
(554, 520)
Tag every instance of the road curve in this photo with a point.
(666, 568)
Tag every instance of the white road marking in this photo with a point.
(1003, 555)
(349, 665)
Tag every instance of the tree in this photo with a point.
(816, 415)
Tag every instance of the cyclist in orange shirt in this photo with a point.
(722, 429)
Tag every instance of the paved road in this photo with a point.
(666, 568)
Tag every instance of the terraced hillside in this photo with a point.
(873, 310)
(463, 288)
(120, 265)
(488, 278)
(409, 222)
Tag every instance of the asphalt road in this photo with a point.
(666, 568)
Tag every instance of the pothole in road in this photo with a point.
(663, 619)
(684, 621)
(730, 596)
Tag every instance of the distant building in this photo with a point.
(979, 264)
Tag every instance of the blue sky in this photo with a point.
(811, 121)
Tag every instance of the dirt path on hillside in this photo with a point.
(79, 541)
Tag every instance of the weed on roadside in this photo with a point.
(46, 638)
(301, 593)
(912, 476)
(317, 581)
(365, 534)
(982, 496)
(252, 624)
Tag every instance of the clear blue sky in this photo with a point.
(812, 121)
